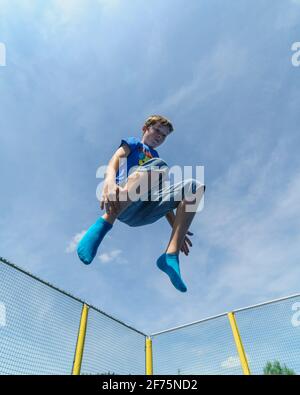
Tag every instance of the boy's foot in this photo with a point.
(88, 245)
(169, 263)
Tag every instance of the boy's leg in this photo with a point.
(169, 261)
(132, 182)
(89, 244)
(143, 179)
(183, 220)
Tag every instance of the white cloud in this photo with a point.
(112, 256)
(74, 242)
(231, 362)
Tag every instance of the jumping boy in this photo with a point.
(141, 156)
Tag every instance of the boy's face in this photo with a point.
(155, 135)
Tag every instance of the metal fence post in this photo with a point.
(80, 340)
(149, 356)
(239, 344)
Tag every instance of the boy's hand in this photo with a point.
(184, 248)
(110, 197)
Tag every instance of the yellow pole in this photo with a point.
(80, 340)
(239, 344)
(149, 360)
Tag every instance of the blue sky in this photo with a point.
(81, 75)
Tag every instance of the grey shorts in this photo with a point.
(160, 200)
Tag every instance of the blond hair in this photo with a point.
(159, 118)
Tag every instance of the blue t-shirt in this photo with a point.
(140, 153)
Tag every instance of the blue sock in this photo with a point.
(88, 245)
(169, 263)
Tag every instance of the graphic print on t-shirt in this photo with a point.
(144, 155)
(140, 153)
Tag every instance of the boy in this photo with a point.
(118, 183)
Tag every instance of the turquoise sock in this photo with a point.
(169, 263)
(88, 245)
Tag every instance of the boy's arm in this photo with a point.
(170, 217)
(113, 164)
(110, 176)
